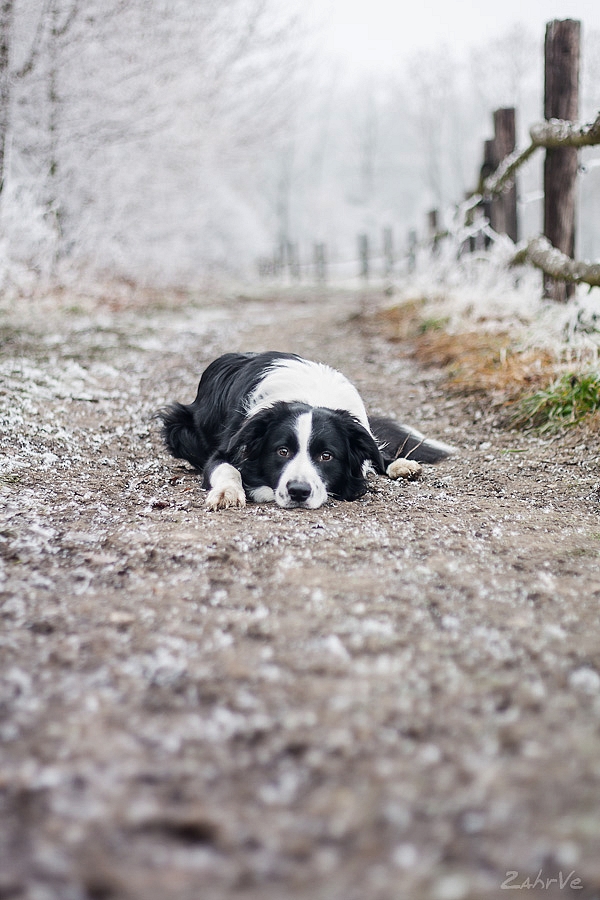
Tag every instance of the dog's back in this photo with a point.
(193, 431)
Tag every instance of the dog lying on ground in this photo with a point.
(276, 427)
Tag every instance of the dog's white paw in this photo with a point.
(404, 468)
(226, 489)
(227, 497)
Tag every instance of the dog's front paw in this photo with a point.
(404, 468)
(226, 489)
(226, 498)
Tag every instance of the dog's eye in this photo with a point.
(325, 456)
(283, 451)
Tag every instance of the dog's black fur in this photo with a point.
(253, 449)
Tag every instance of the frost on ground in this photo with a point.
(397, 697)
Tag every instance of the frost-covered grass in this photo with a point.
(482, 291)
(490, 328)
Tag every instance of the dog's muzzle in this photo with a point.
(298, 491)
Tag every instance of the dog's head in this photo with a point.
(299, 455)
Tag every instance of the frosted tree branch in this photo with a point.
(558, 133)
(552, 134)
(540, 253)
(28, 65)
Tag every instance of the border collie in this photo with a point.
(276, 427)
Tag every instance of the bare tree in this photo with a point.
(366, 142)
(434, 97)
(6, 22)
(136, 120)
(507, 72)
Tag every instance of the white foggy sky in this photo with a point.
(381, 33)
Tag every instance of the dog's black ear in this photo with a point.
(362, 448)
(246, 443)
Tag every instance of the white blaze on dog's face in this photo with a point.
(300, 482)
(299, 456)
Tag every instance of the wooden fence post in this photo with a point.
(320, 259)
(433, 228)
(504, 206)
(412, 250)
(500, 209)
(363, 252)
(279, 259)
(561, 101)
(490, 163)
(475, 221)
(293, 257)
(388, 252)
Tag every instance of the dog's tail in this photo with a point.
(402, 442)
(182, 438)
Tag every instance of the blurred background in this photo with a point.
(167, 141)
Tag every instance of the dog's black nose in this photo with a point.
(299, 491)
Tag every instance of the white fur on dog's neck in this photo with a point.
(307, 382)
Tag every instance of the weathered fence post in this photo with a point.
(500, 209)
(433, 228)
(412, 250)
(388, 252)
(561, 101)
(293, 261)
(320, 259)
(489, 166)
(503, 215)
(363, 253)
(279, 259)
(475, 221)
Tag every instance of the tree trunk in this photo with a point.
(6, 20)
(561, 101)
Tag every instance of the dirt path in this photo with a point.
(393, 698)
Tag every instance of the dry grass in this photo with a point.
(401, 323)
(475, 362)
(479, 363)
(492, 365)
